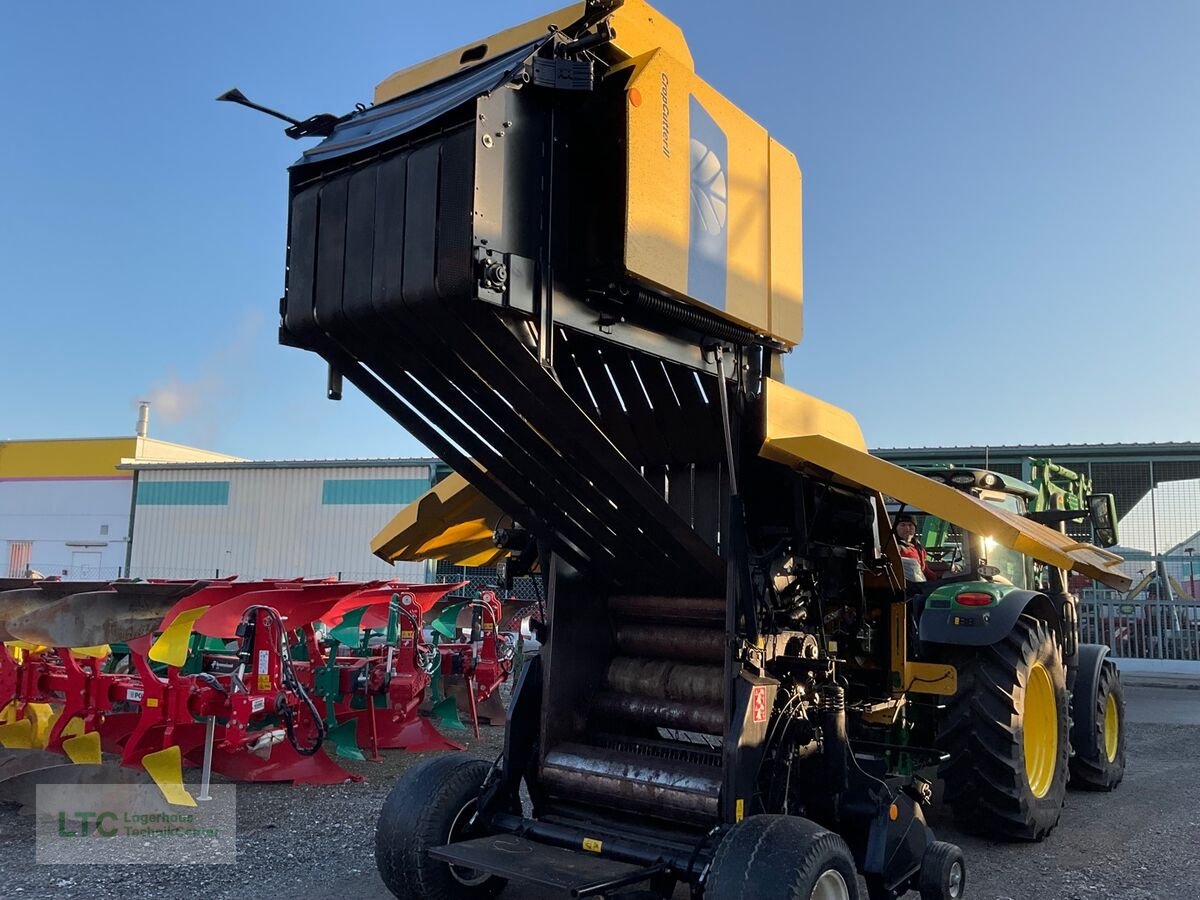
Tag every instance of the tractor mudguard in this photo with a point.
(1083, 684)
(984, 625)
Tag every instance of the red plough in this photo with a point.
(260, 678)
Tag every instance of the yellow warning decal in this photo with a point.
(740, 811)
(264, 682)
(592, 844)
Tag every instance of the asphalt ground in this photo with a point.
(1141, 842)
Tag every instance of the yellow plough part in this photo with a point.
(172, 645)
(28, 732)
(17, 735)
(804, 432)
(83, 750)
(98, 652)
(166, 768)
(452, 521)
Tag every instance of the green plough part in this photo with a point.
(347, 631)
(344, 740)
(445, 712)
(436, 694)
(447, 623)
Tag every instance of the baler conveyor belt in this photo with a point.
(549, 466)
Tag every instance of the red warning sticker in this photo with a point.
(758, 704)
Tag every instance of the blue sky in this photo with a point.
(1002, 210)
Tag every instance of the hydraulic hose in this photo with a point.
(291, 682)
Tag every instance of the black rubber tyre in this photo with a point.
(426, 804)
(1099, 765)
(983, 729)
(781, 858)
(943, 872)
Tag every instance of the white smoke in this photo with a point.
(176, 400)
(198, 404)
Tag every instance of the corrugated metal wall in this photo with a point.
(267, 522)
(75, 527)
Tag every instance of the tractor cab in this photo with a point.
(955, 555)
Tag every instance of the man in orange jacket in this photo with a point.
(910, 548)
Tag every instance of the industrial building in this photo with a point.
(100, 508)
(268, 519)
(65, 504)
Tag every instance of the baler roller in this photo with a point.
(677, 642)
(666, 680)
(632, 783)
(705, 719)
(679, 610)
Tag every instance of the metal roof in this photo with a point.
(285, 463)
(1166, 448)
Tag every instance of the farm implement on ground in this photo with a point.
(257, 681)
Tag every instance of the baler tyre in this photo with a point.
(782, 857)
(943, 872)
(1006, 733)
(429, 807)
(1099, 760)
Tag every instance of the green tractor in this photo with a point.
(1035, 708)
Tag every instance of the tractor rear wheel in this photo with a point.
(1006, 733)
(782, 857)
(431, 806)
(1099, 760)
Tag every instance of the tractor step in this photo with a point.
(576, 873)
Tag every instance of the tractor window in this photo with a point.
(943, 543)
(1004, 501)
(1010, 563)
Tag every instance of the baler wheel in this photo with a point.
(428, 807)
(1006, 733)
(1099, 760)
(783, 857)
(943, 872)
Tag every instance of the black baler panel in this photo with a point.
(393, 230)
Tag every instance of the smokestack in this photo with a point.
(143, 422)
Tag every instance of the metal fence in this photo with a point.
(71, 572)
(1136, 628)
(485, 576)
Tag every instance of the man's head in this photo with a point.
(906, 527)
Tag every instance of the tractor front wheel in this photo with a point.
(431, 806)
(1006, 733)
(1098, 732)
